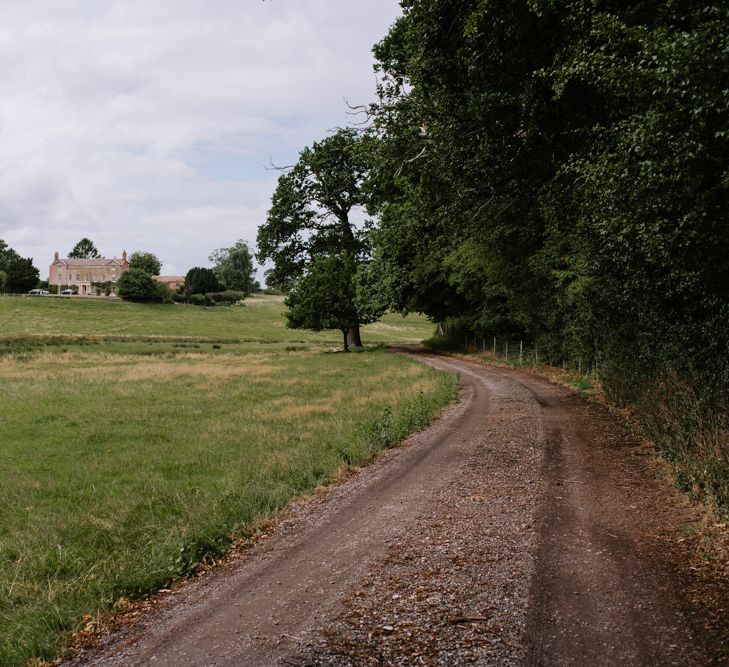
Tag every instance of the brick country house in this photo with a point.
(173, 282)
(85, 272)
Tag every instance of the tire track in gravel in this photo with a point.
(518, 529)
(604, 590)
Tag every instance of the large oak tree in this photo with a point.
(312, 216)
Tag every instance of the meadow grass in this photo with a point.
(126, 462)
(259, 320)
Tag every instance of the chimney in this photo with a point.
(55, 259)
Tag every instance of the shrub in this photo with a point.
(137, 285)
(232, 296)
(227, 297)
(198, 300)
(164, 293)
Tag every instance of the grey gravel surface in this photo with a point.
(521, 528)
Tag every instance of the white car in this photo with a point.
(67, 292)
(39, 292)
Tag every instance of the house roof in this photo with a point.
(99, 261)
(170, 279)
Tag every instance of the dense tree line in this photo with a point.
(558, 172)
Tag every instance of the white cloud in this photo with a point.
(146, 125)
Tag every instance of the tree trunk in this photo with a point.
(345, 334)
(353, 336)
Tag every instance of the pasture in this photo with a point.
(138, 441)
(260, 320)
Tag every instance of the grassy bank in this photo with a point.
(129, 459)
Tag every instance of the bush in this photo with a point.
(138, 285)
(227, 297)
(198, 300)
(232, 296)
(164, 293)
(214, 297)
(178, 297)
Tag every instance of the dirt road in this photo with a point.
(522, 528)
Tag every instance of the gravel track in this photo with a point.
(522, 528)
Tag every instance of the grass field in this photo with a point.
(127, 460)
(260, 320)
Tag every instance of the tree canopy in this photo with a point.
(200, 280)
(557, 172)
(21, 275)
(138, 285)
(312, 217)
(234, 267)
(322, 300)
(6, 255)
(147, 261)
(84, 249)
(18, 273)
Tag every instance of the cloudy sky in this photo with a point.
(147, 124)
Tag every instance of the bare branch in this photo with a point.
(271, 166)
(412, 159)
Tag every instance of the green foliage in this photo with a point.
(310, 219)
(138, 285)
(234, 267)
(311, 206)
(556, 172)
(146, 261)
(6, 255)
(103, 288)
(228, 297)
(200, 280)
(324, 298)
(163, 292)
(199, 300)
(17, 274)
(84, 249)
(21, 275)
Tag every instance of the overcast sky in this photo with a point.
(146, 124)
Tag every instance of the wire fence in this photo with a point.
(518, 353)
